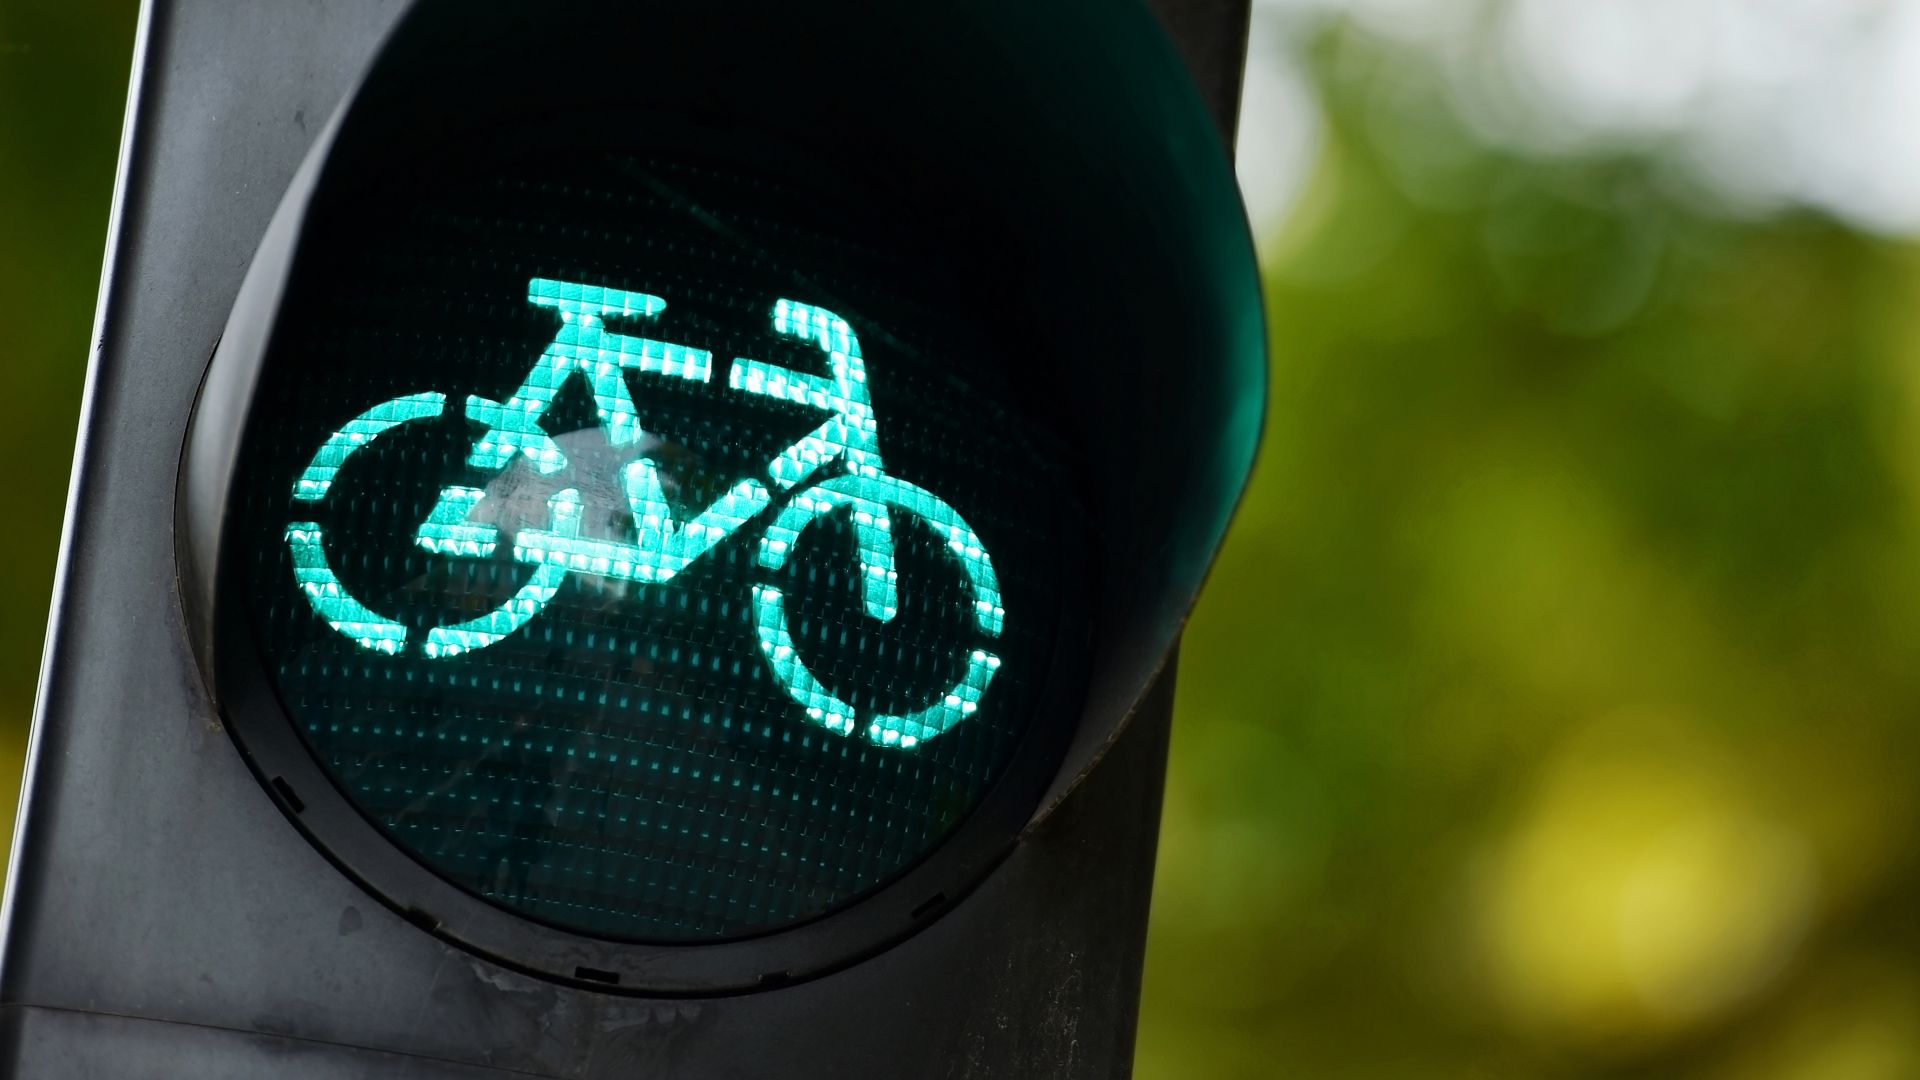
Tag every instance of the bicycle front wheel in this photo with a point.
(875, 501)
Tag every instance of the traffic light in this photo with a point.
(668, 562)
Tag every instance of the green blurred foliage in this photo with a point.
(63, 90)
(1549, 711)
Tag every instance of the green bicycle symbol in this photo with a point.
(836, 467)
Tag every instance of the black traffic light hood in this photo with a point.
(1071, 124)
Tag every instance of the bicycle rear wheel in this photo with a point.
(335, 603)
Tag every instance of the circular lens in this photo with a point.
(651, 548)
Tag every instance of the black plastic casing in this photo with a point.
(165, 919)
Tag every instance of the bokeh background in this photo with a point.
(1552, 709)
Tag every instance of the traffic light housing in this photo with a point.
(682, 497)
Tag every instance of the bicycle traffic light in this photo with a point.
(681, 500)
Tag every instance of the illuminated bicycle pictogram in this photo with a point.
(835, 468)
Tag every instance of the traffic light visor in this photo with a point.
(679, 474)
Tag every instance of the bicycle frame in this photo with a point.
(585, 348)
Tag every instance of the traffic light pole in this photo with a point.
(134, 950)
